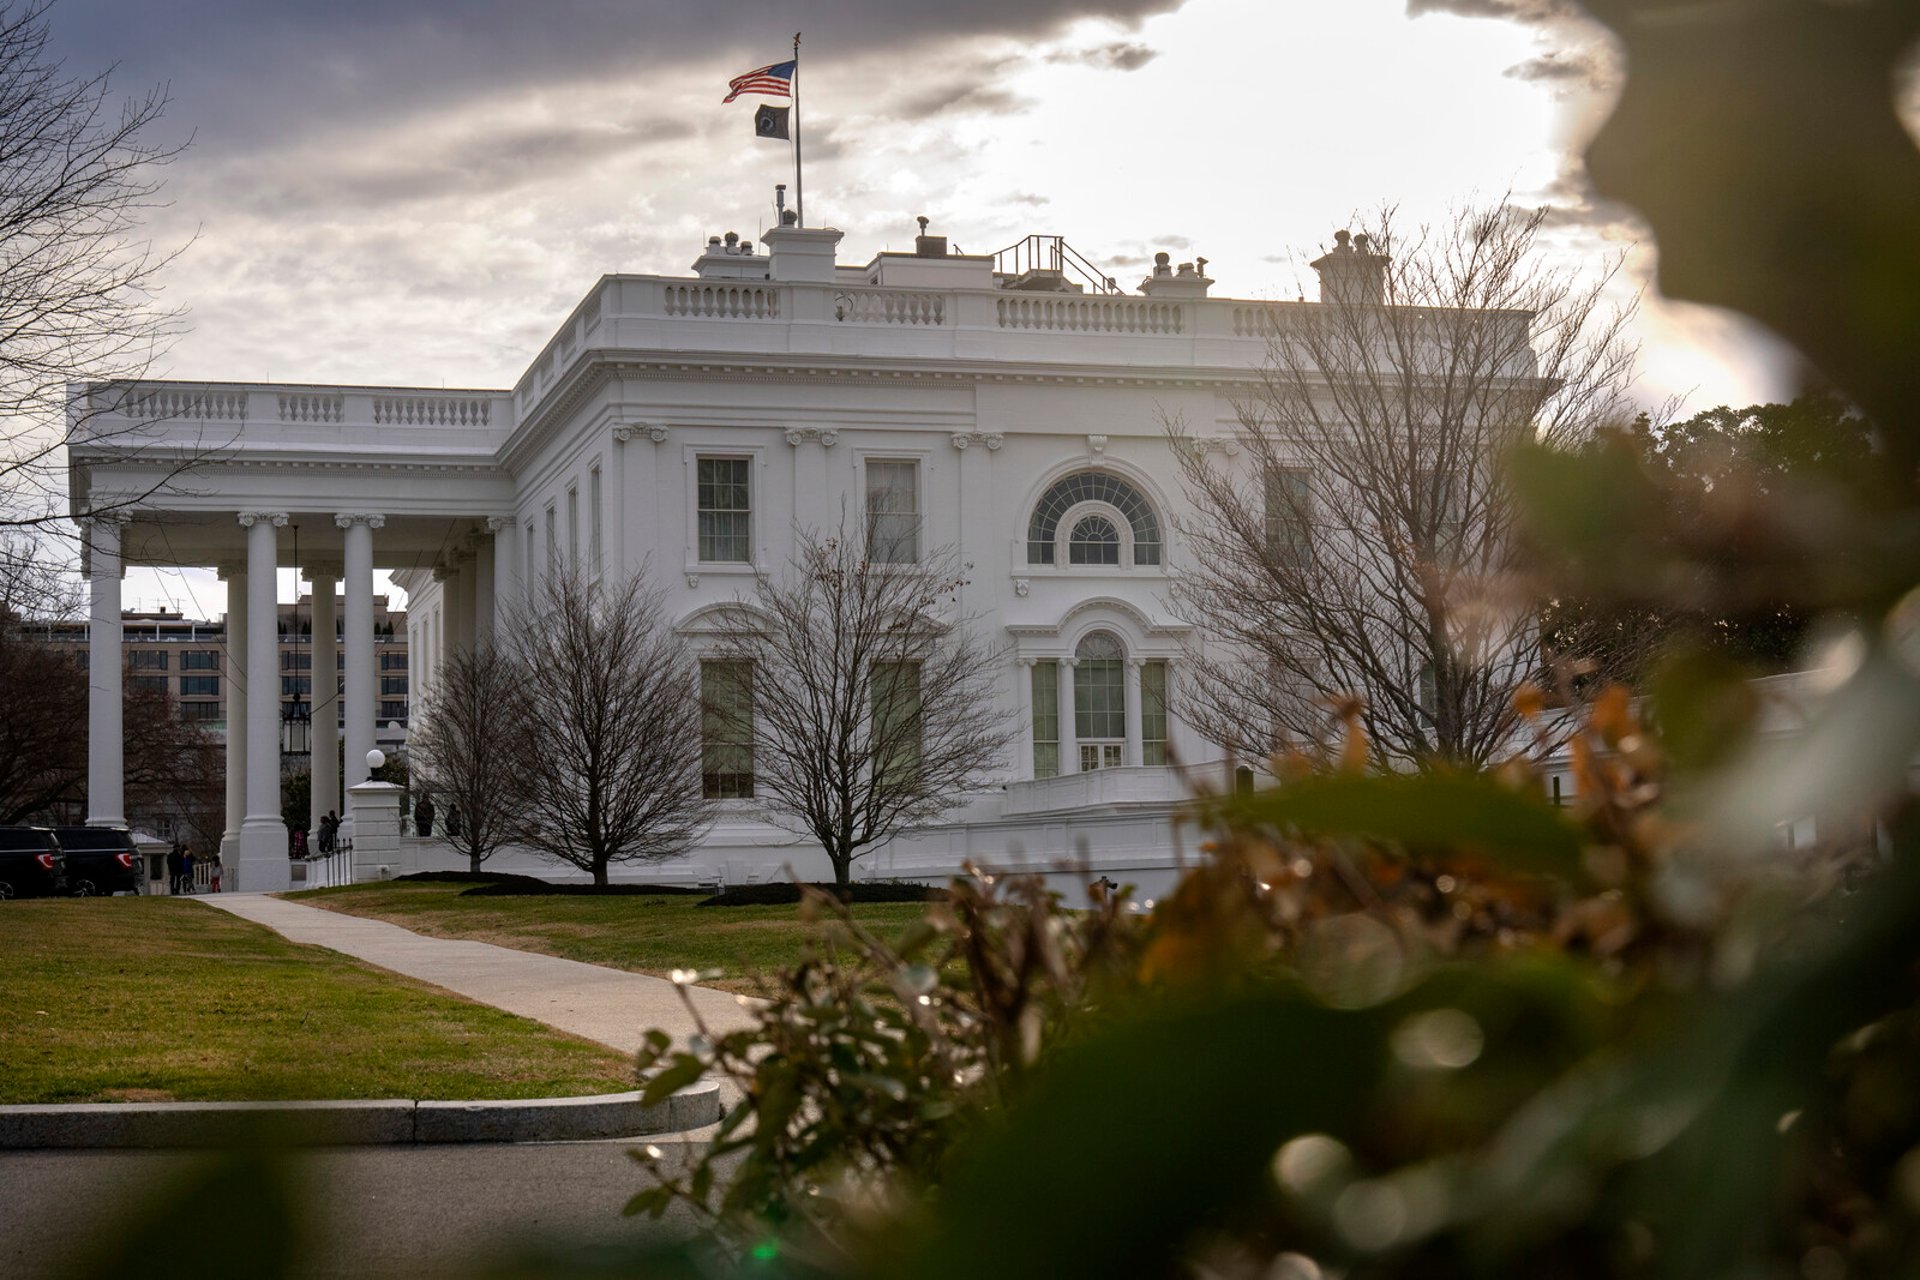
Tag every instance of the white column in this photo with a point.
(465, 599)
(1069, 727)
(106, 743)
(357, 586)
(262, 865)
(482, 573)
(1135, 751)
(235, 690)
(613, 513)
(325, 700)
(506, 555)
(1023, 698)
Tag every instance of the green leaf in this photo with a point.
(1452, 811)
(685, 1070)
(653, 1202)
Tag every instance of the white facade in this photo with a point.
(989, 395)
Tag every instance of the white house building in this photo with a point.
(1010, 406)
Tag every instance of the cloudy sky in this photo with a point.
(417, 191)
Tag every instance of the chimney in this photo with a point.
(1187, 282)
(1352, 272)
(799, 253)
(926, 246)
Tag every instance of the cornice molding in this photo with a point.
(594, 367)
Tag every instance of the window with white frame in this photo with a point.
(594, 522)
(1289, 512)
(1153, 712)
(1084, 496)
(1094, 540)
(724, 502)
(896, 727)
(726, 730)
(573, 528)
(1046, 719)
(893, 510)
(1100, 701)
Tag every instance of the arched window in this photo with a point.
(1127, 503)
(1094, 541)
(1100, 700)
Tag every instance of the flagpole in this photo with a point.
(799, 184)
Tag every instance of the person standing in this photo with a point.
(186, 871)
(173, 867)
(423, 815)
(216, 873)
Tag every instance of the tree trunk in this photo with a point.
(600, 873)
(473, 862)
(842, 869)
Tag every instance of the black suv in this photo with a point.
(31, 863)
(100, 860)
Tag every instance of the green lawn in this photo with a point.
(639, 933)
(162, 999)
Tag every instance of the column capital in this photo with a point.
(992, 439)
(1069, 661)
(443, 571)
(325, 571)
(278, 519)
(1026, 662)
(1134, 664)
(347, 519)
(231, 569)
(496, 523)
(826, 437)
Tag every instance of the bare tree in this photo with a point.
(77, 283)
(1361, 544)
(466, 747)
(610, 737)
(839, 696)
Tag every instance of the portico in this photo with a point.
(356, 481)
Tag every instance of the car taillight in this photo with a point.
(45, 860)
(124, 859)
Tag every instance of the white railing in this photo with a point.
(1091, 315)
(892, 306)
(229, 406)
(431, 411)
(730, 302)
(303, 407)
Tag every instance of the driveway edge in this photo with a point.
(358, 1122)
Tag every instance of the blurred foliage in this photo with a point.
(1737, 509)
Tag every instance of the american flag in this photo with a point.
(776, 81)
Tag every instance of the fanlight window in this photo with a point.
(1094, 541)
(1092, 486)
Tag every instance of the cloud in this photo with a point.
(1121, 55)
(243, 71)
(965, 97)
(1520, 10)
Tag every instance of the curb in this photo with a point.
(370, 1122)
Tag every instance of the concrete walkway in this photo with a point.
(608, 1005)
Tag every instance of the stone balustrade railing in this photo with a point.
(648, 313)
(159, 404)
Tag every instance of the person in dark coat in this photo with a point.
(173, 868)
(453, 822)
(423, 815)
